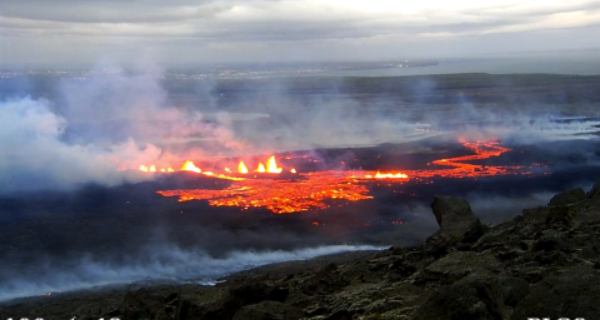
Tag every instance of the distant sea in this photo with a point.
(564, 62)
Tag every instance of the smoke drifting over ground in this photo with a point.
(165, 263)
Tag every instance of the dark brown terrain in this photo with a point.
(544, 262)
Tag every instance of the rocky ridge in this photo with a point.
(543, 263)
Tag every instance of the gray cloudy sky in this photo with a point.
(186, 31)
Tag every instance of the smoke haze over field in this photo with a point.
(109, 121)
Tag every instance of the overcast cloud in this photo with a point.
(184, 31)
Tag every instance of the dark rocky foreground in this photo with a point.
(544, 263)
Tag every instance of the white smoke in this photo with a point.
(103, 122)
(166, 262)
(34, 156)
(98, 125)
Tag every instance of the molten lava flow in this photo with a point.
(143, 168)
(242, 168)
(380, 175)
(152, 168)
(483, 150)
(272, 166)
(189, 166)
(281, 196)
(310, 191)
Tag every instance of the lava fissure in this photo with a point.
(309, 191)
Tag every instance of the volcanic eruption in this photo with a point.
(271, 188)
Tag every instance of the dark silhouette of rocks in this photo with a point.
(568, 197)
(543, 263)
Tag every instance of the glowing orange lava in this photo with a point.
(242, 168)
(303, 192)
(380, 175)
(261, 168)
(280, 196)
(190, 166)
(459, 169)
(272, 166)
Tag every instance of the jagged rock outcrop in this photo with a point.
(268, 310)
(595, 191)
(458, 225)
(572, 292)
(143, 304)
(239, 296)
(568, 197)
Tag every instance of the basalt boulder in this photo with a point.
(458, 224)
(239, 296)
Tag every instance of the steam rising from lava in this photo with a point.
(100, 124)
(108, 122)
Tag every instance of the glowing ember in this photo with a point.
(242, 168)
(293, 170)
(189, 166)
(261, 168)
